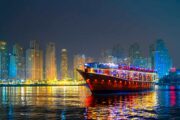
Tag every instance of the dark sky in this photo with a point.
(88, 26)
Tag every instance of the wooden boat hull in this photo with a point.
(110, 84)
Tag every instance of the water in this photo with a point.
(77, 102)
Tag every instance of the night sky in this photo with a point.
(89, 26)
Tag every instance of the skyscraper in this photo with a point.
(114, 55)
(34, 63)
(17, 65)
(3, 61)
(106, 56)
(78, 62)
(64, 64)
(118, 54)
(162, 61)
(89, 59)
(151, 56)
(51, 68)
(134, 52)
(136, 59)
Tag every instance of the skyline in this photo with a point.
(91, 26)
(33, 68)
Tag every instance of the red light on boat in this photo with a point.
(102, 81)
(87, 80)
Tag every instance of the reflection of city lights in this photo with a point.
(122, 106)
(58, 99)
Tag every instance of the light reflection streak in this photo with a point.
(67, 101)
(122, 106)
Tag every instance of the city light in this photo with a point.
(29, 69)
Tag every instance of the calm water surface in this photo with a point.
(77, 102)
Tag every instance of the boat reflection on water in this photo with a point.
(122, 106)
(77, 102)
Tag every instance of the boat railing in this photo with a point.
(124, 74)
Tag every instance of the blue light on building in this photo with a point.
(12, 67)
(162, 60)
(17, 65)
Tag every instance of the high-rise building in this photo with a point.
(106, 56)
(17, 65)
(64, 64)
(89, 60)
(151, 56)
(114, 55)
(78, 62)
(140, 62)
(136, 59)
(51, 68)
(34, 63)
(3, 61)
(118, 54)
(162, 62)
(134, 52)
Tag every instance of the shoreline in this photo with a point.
(36, 85)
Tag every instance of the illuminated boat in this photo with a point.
(109, 77)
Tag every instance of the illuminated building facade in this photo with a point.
(141, 62)
(34, 63)
(64, 64)
(106, 56)
(78, 62)
(118, 54)
(134, 52)
(114, 55)
(51, 68)
(151, 56)
(161, 59)
(136, 59)
(89, 59)
(17, 65)
(3, 61)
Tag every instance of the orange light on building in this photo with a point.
(50, 66)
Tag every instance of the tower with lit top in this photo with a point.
(161, 59)
(3, 61)
(17, 65)
(51, 68)
(34, 63)
(78, 63)
(136, 58)
(64, 64)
